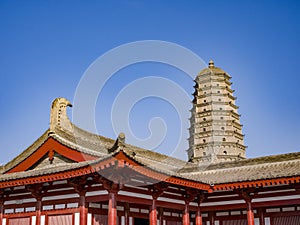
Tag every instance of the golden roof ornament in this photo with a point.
(211, 64)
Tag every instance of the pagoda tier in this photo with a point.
(216, 131)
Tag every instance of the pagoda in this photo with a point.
(216, 131)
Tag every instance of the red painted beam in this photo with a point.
(276, 203)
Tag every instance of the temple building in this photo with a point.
(69, 176)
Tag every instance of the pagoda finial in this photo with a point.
(211, 64)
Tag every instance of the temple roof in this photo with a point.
(268, 167)
(96, 149)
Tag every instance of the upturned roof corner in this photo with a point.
(119, 144)
(58, 114)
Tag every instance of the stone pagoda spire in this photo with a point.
(215, 132)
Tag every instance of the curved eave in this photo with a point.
(257, 183)
(119, 159)
(158, 175)
(44, 176)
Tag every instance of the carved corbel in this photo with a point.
(36, 190)
(248, 194)
(78, 183)
(190, 195)
(109, 185)
(200, 198)
(158, 189)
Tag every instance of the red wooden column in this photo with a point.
(82, 208)
(198, 219)
(153, 212)
(38, 210)
(112, 207)
(247, 195)
(37, 193)
(161, 216)
(189, 195)
(212, 218)
(261, 217)
(186, 213)
(79, 187)
(112, 189)
(198, 216)
(1, 205)
(126, 213)
(1, 212)
(157, 190)
(250, 214)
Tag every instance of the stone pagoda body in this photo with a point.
(216, 131)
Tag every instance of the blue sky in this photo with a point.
(46, 46)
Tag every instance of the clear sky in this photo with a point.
(46, 46)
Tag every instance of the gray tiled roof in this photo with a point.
(285, 165)
(245, 170)
(277, 166)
